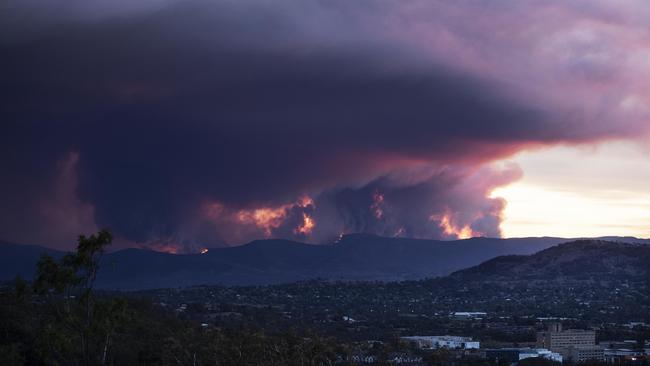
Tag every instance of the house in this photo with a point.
(446, 341)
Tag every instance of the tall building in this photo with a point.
(573, 344)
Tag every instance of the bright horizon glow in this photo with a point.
(580, 192)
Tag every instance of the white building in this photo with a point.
(540, 352)
(513, 355)
(434, 342)
(465, 315)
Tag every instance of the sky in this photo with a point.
(183, 124)
(605, 194)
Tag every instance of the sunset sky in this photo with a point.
(601, 190)
(182, 124)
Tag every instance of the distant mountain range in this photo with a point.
(354, 257)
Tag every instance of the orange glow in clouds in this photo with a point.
(268, 218)
(448, 228)
(305, 201)
(265, 218)
(162, 246)
(378, 200)
(307, 225)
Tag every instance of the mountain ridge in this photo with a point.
(580, 260)
(270, 261)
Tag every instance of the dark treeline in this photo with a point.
(60, 320)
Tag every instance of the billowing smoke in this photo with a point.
(196, 123)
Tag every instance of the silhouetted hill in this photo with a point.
(581, 260)
(21, 259)
(354, 257)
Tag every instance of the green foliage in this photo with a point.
(11, 355)
(75, 271)
(74, 328)
(60, 320)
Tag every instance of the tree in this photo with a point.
(67, 286)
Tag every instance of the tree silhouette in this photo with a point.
(81, 324)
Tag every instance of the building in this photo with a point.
(363, 358)
(403, 359)
(556, 338)
(468, 315)
(512, 355)
(435, 342)
(573, 344)
(580, 354)
(619, 355)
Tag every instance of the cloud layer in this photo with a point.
(214, 123)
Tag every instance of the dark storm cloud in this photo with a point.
(252, 106)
